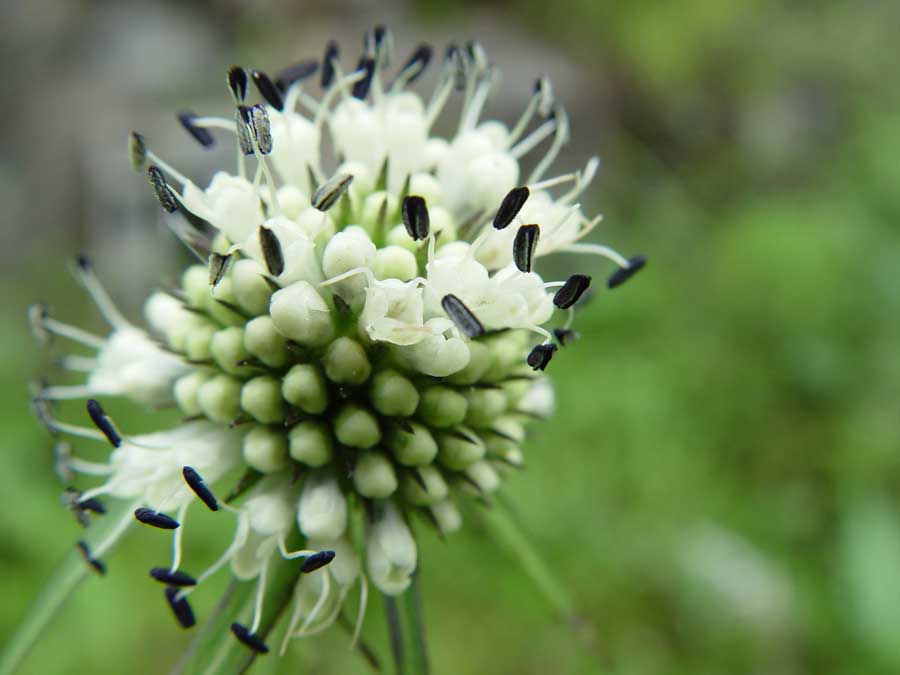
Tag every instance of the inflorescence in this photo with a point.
(362, 338)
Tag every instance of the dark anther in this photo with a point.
(523, 246)
(196, 483)
(156, 519)
(540, 356)
(332, 54)
(295, 73)
(176, 578)
(462, 316)
(327, 194)
(218, 265)
(271, 249)
(201, 135)
(544, 89)
(254, 642)
(623, 274)
(361, 87)
(161, 189)
(70, 497)
(103, 423)
(456, 60)
(417, 62)
(237, 82)
(571, 291)
(510, 206)
(137, 151)
(317, 560)
(243, 122)
(267, 89)
(565, 336)
(262, 130)
(415, 217)
(96, 564)
(180, 608)
(83, 262)
(93, 505)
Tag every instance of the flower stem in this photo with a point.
(407, 630)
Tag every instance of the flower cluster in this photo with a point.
(363, 337)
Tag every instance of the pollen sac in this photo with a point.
(296, 73)
(243, 121)
(332, 54)
(161, 189)
(237, 82)
(317, 561)
(415, 217)
(271, 249)
(417, 63)
(543, 88)
(218, 265)
(361, 87)
(571, 291)
(267, 89)
(455, 61)
(200, 134)
(462, 316)
(96, 565)
(137, 151)
(180, 608)
(510, 206)
(103, 423)
(252, 641)
(196, 483)
(172, 578)
(524, 245)
(540, 356)
(623, 274)
(155, 519)
(262, 130)
(327, 194)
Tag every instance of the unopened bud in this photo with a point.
(357, 427)
(459, 450)
(300, 314)
(322, 513)
(413, 445)
(393, 395)
(395, 262)
(220, 398)
(391, 558)
(227, 349)
(304, 387)
(485, 405)
(186, 391)
(251, 291)
(447, 517)
(374, 476)
(261, 398)
(310, 443)
(262, 340)
(434, 490)
(265, 449)
(346, 362)
(442, 407)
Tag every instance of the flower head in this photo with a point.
(364, 337)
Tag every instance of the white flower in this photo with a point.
(391, 552)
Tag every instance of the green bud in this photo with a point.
(479, 362)
(459, 451)
(186, 390)
(395, 262)
(507, 352)
(198, 342)
(310, 443)
(372, 209)
(265, 449)
(393, 395)
(263, 340)
(227, 349)
(485, 405)
(304, 387)
(301, 314)
(251, 292)
(413, 449)
(220, 398)
(398, 236)
(218, 304)
(446, 516)
(261, 398)
(220, 244)
(357, 427)
(435, 487)
(195, 284)
(346, 362)
(484, 476)
(374, 476)
(442, 407)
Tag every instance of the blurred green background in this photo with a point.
(720, 488)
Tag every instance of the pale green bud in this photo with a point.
(357, 427)
(372, 208)
(447, 517)
(186, 391)
(484, 476)
(227, 349)
(304, 387)
(374, 476)
(398, 236)
(442, 224)
(261, 398)
(300, 314)
(322, 513)
(506, 353)
(265, 449)
(459, 451)
(393, 395)
(442, 407)
(346, 362)
(391, 552)
(415, 448)
(220, 243)
(251, 291)
(195, 284)
(426, 186)
(485, 405)
(435, 487)
(220, 398)
(218, 304)
(198, 342)
(310, 443)
(479, 362)
(263, 340)
(395, 262)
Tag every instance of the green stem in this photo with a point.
(71, 571)
(407, 630)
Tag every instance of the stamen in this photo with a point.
(161, 189)
(237, 82)
(571, 291)
(510, 206)
(524, 245)
(137, 151)
(98, 294)
(332, 54)
(271, 249)
(462, 316)
(360, 89)
(177, 538)
(414, 66)
(180, 607)
(69, 498)
(528, 143)
(41, 323)
(62, 454)
(295, 73)
(317, 561)
(327, 195)
(540, 356)
(249, 639)
(166, 576)
(320, 603)
(267, 89)
(66, 393)
(78, 363)
(565, 336)
(543, 89)
(623, 274)
(155, 519)
(262, 130)
(218, 265)
(200, 134)
(370, 276)
(196, 483)
(103, 423)
(243, 120)
(96, 564)
(559, 140)
(582, 180)
(455, 61)
(414, 213)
